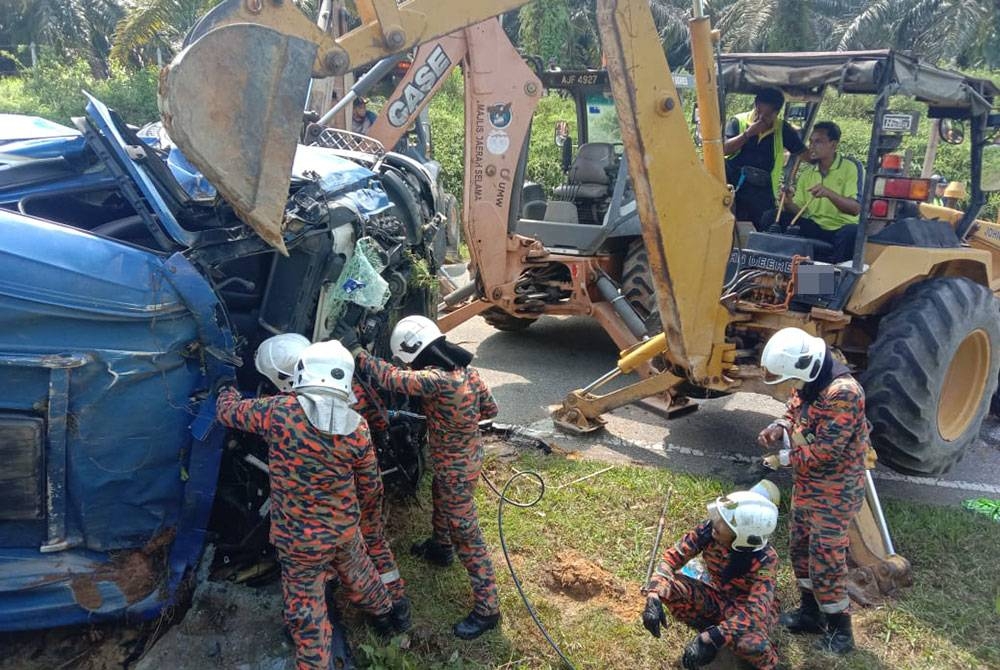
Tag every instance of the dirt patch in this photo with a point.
(580, 578)
(99, 647)
(629, 606)
(228, 626)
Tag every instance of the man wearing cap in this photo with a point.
(828, 440)
(954, 194)
(726, 594)
(362, 118)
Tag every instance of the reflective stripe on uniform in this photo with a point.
(777, 170)
(835, 608)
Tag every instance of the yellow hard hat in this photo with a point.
(955, 189)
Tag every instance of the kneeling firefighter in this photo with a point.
(455, 400)
(827, 443)
(728, 595)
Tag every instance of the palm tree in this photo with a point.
(66, 27)
(151, 24)
(781, 25)
(964, 32)
(940, 30)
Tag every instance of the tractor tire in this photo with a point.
(505, 322)
(932, 372)
(637, 286)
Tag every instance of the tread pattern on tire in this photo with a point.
(637, 286)
(907, 364)
(505, 322)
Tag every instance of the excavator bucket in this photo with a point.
(233, 103)
(233, 98)
(877, 570)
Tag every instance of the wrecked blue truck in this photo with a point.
(127, 289)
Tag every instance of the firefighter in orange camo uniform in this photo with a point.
(828, 440)
(316, 442)
(455, 400)
(370, 496)
(276, 358)
(729, 597)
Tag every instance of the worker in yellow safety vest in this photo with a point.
(755, 155)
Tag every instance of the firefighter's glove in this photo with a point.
(348, 336)
(778, 460)
(698, 653)
(225, 381)
(771, 435)
(653, 615)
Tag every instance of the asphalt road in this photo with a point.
(531, 371)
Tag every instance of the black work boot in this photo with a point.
(433, 552)
(401, 619)
(839, 638)
(807, 618)
(475, 625)
(382, 624)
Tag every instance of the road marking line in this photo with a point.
(978, 487)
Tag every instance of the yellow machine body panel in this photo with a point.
(687, 226)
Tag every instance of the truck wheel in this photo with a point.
(931, 375)
(637, 286)
(508, 323)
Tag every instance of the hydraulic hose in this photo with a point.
(506, 554)
(610, 292)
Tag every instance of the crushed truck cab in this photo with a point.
(110, 451)
(129, 289)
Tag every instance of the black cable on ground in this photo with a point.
(506, 555)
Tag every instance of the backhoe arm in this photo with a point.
(233, 99)
(686, 223)
(501, 94)
(431, 67)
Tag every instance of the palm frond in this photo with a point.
(151, 22)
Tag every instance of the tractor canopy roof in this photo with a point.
(803, 74)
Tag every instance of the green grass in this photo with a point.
(948, 619)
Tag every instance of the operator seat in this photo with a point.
(588, 175)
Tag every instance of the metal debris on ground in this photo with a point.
(585, 477)
(518, 436)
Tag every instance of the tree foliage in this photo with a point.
(545, 30)
(155, 23)
(963, 32)
(68, 28)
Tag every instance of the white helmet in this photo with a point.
(768, 489)
(750, 515)
(412, 335)
(276, 357)
(326, 365)
(792, 353)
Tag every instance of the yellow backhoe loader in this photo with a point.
(579, 250)
(920, 320)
